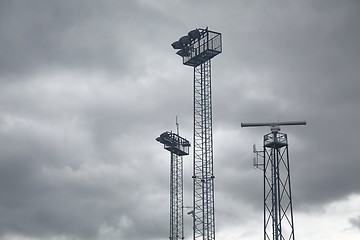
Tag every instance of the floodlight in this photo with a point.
(194, 34)
(185, 40)
(177, 45)
(183, 53)
(198, 46)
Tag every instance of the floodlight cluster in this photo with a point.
(184, 43)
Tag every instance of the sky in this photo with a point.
(86, 86)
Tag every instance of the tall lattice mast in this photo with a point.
(178, 147)
(196, 49)
(278, 209)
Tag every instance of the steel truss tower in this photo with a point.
(196, 49)
(178, 147)
(278, 209)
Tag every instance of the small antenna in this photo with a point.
(177, 126)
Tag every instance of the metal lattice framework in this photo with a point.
(176, 198)
(203, 174)
(178, 147)
(196, 49)
(278, 209)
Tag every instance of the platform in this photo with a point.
(174, 143)
(275, 140)
(207, 47)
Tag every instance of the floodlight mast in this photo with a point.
(278, 210)
(178, 147)
(196, 49)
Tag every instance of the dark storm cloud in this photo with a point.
(302, 64)
(52, 186)
(43, 34)
(322, 85)
(86, 35)
(55, 156)
(61, 132)
(79, 158)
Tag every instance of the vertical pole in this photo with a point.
(176, 198)
(171, 237)
(195, 208)
(204, 216)
(264, 192)
(292, 236)
(181, 198)
(276, 196)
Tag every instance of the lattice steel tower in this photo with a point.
(278, 210)
(196, 49)
(178, 147)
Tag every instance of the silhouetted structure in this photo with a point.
(178, 147)
(196, 49)
(278, 210)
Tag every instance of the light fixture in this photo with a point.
(185, 40)
(177, 45)
(194, 34)
(183, 53)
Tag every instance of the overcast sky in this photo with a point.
(87, 86)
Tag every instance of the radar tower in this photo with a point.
(278, 209)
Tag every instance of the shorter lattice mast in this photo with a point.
(278, 209)
(178, 148)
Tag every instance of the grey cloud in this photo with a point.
(355, 222)
(300, 69)
(90, 36)
(46, 192)
(79, 158)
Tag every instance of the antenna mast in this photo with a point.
(278, 210)
(177, 126)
